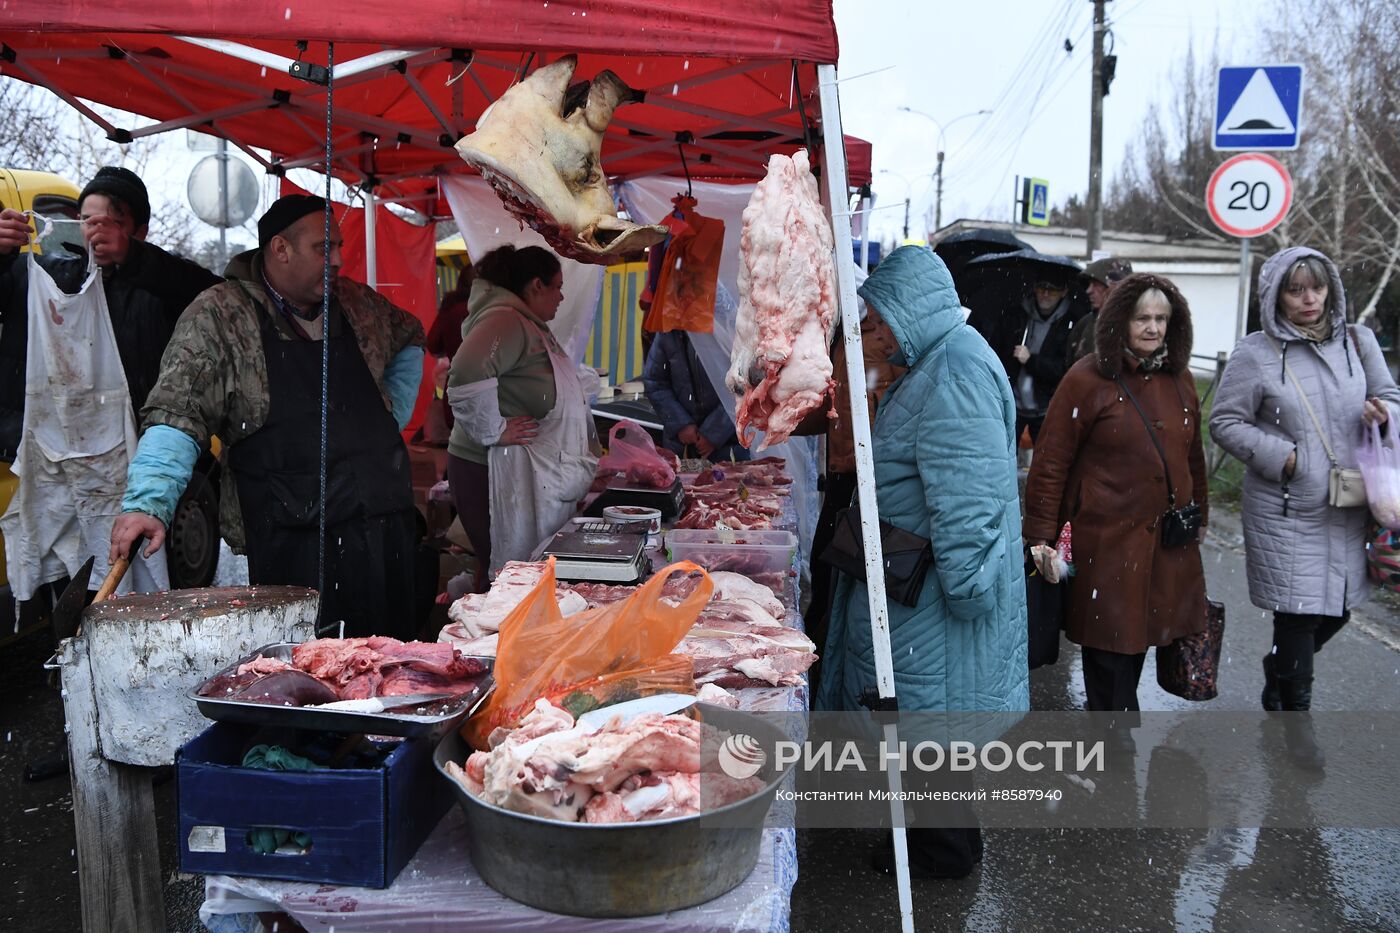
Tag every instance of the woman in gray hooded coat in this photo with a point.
(1306, 556)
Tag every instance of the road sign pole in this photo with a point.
(1242, 319)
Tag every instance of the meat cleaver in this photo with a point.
(69, 608)
(68, 611)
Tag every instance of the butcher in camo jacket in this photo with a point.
(244, 365)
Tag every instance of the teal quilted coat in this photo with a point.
(945, 468)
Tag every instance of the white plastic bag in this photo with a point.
(1379, 460)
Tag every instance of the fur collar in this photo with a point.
(1111, 326)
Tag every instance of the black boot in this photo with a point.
(1303, 750)
(1269, 699)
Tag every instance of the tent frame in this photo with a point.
(302, 100)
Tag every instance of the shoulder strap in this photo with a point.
(1307, 406)
(1152, 434)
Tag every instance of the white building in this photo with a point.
(1207, 272)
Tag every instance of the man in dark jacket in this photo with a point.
(146, 289)
(1098, 277)
(695, 423)
(1032, 340)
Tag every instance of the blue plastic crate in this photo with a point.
(365, 824)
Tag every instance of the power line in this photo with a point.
(1031, 118)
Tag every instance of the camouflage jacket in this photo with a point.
(213, 377)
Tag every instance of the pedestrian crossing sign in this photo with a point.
(1035, 202)
(1258, 107)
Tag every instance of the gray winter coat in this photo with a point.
(1304, 556)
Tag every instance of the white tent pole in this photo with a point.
(834, 173)
(371, 244)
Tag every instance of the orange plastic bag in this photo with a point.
(592, 658)
(685, 291)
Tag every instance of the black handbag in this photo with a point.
(1045, 617)
(1179, 525)
(907, 556)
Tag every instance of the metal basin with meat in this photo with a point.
(621, 869)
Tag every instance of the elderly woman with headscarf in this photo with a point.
(1292, 404)
(1121, 446)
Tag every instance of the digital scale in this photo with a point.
(600, 551)
(667, 501)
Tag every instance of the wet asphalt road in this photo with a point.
(1236, 880)
(1121, 880)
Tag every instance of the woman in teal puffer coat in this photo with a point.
(944, 446)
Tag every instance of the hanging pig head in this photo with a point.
(539, 145)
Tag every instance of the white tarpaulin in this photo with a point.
(485, 225)
(647, 201)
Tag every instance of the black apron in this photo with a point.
(370, 526)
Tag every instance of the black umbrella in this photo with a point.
(1025, 265)
(960, 248)
(994, 286)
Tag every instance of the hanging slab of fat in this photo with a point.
(787, 304)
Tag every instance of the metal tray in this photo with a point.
(431, 720)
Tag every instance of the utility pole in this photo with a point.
(1095, 226)
(223, 203)
(906, 216)
(938, 174)
(938, 198)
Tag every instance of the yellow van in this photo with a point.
(48, 195)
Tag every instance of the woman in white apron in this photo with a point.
(522, 451)
(79, 435)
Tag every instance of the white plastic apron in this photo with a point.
(535, 488)
(79, 436)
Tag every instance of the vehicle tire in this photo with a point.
(192, 545)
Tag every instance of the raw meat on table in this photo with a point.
(330, 669)
(644, 768)
(287, 688)
(480, 614)
(781, 364)
(715, 695)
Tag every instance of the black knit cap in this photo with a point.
(284, 212)
(125, 186)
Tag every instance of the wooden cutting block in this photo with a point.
(145, 652)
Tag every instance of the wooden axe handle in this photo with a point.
(118, 571)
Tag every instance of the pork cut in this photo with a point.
(539, 147)
(787, 304)
(644, 768)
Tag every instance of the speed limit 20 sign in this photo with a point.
(1249, 195)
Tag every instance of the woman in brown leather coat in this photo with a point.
(1096, 466)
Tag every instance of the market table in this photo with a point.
(440, 890)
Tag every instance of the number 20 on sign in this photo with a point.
(1249, 195)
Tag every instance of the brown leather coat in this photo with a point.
(1095, 466)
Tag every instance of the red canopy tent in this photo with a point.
(738, 88)
(725, 84)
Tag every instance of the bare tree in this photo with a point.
(40, 131)
(1346, 170)
(29, 125)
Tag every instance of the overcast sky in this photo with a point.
(949, 58)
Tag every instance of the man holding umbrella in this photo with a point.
(1032, 338)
